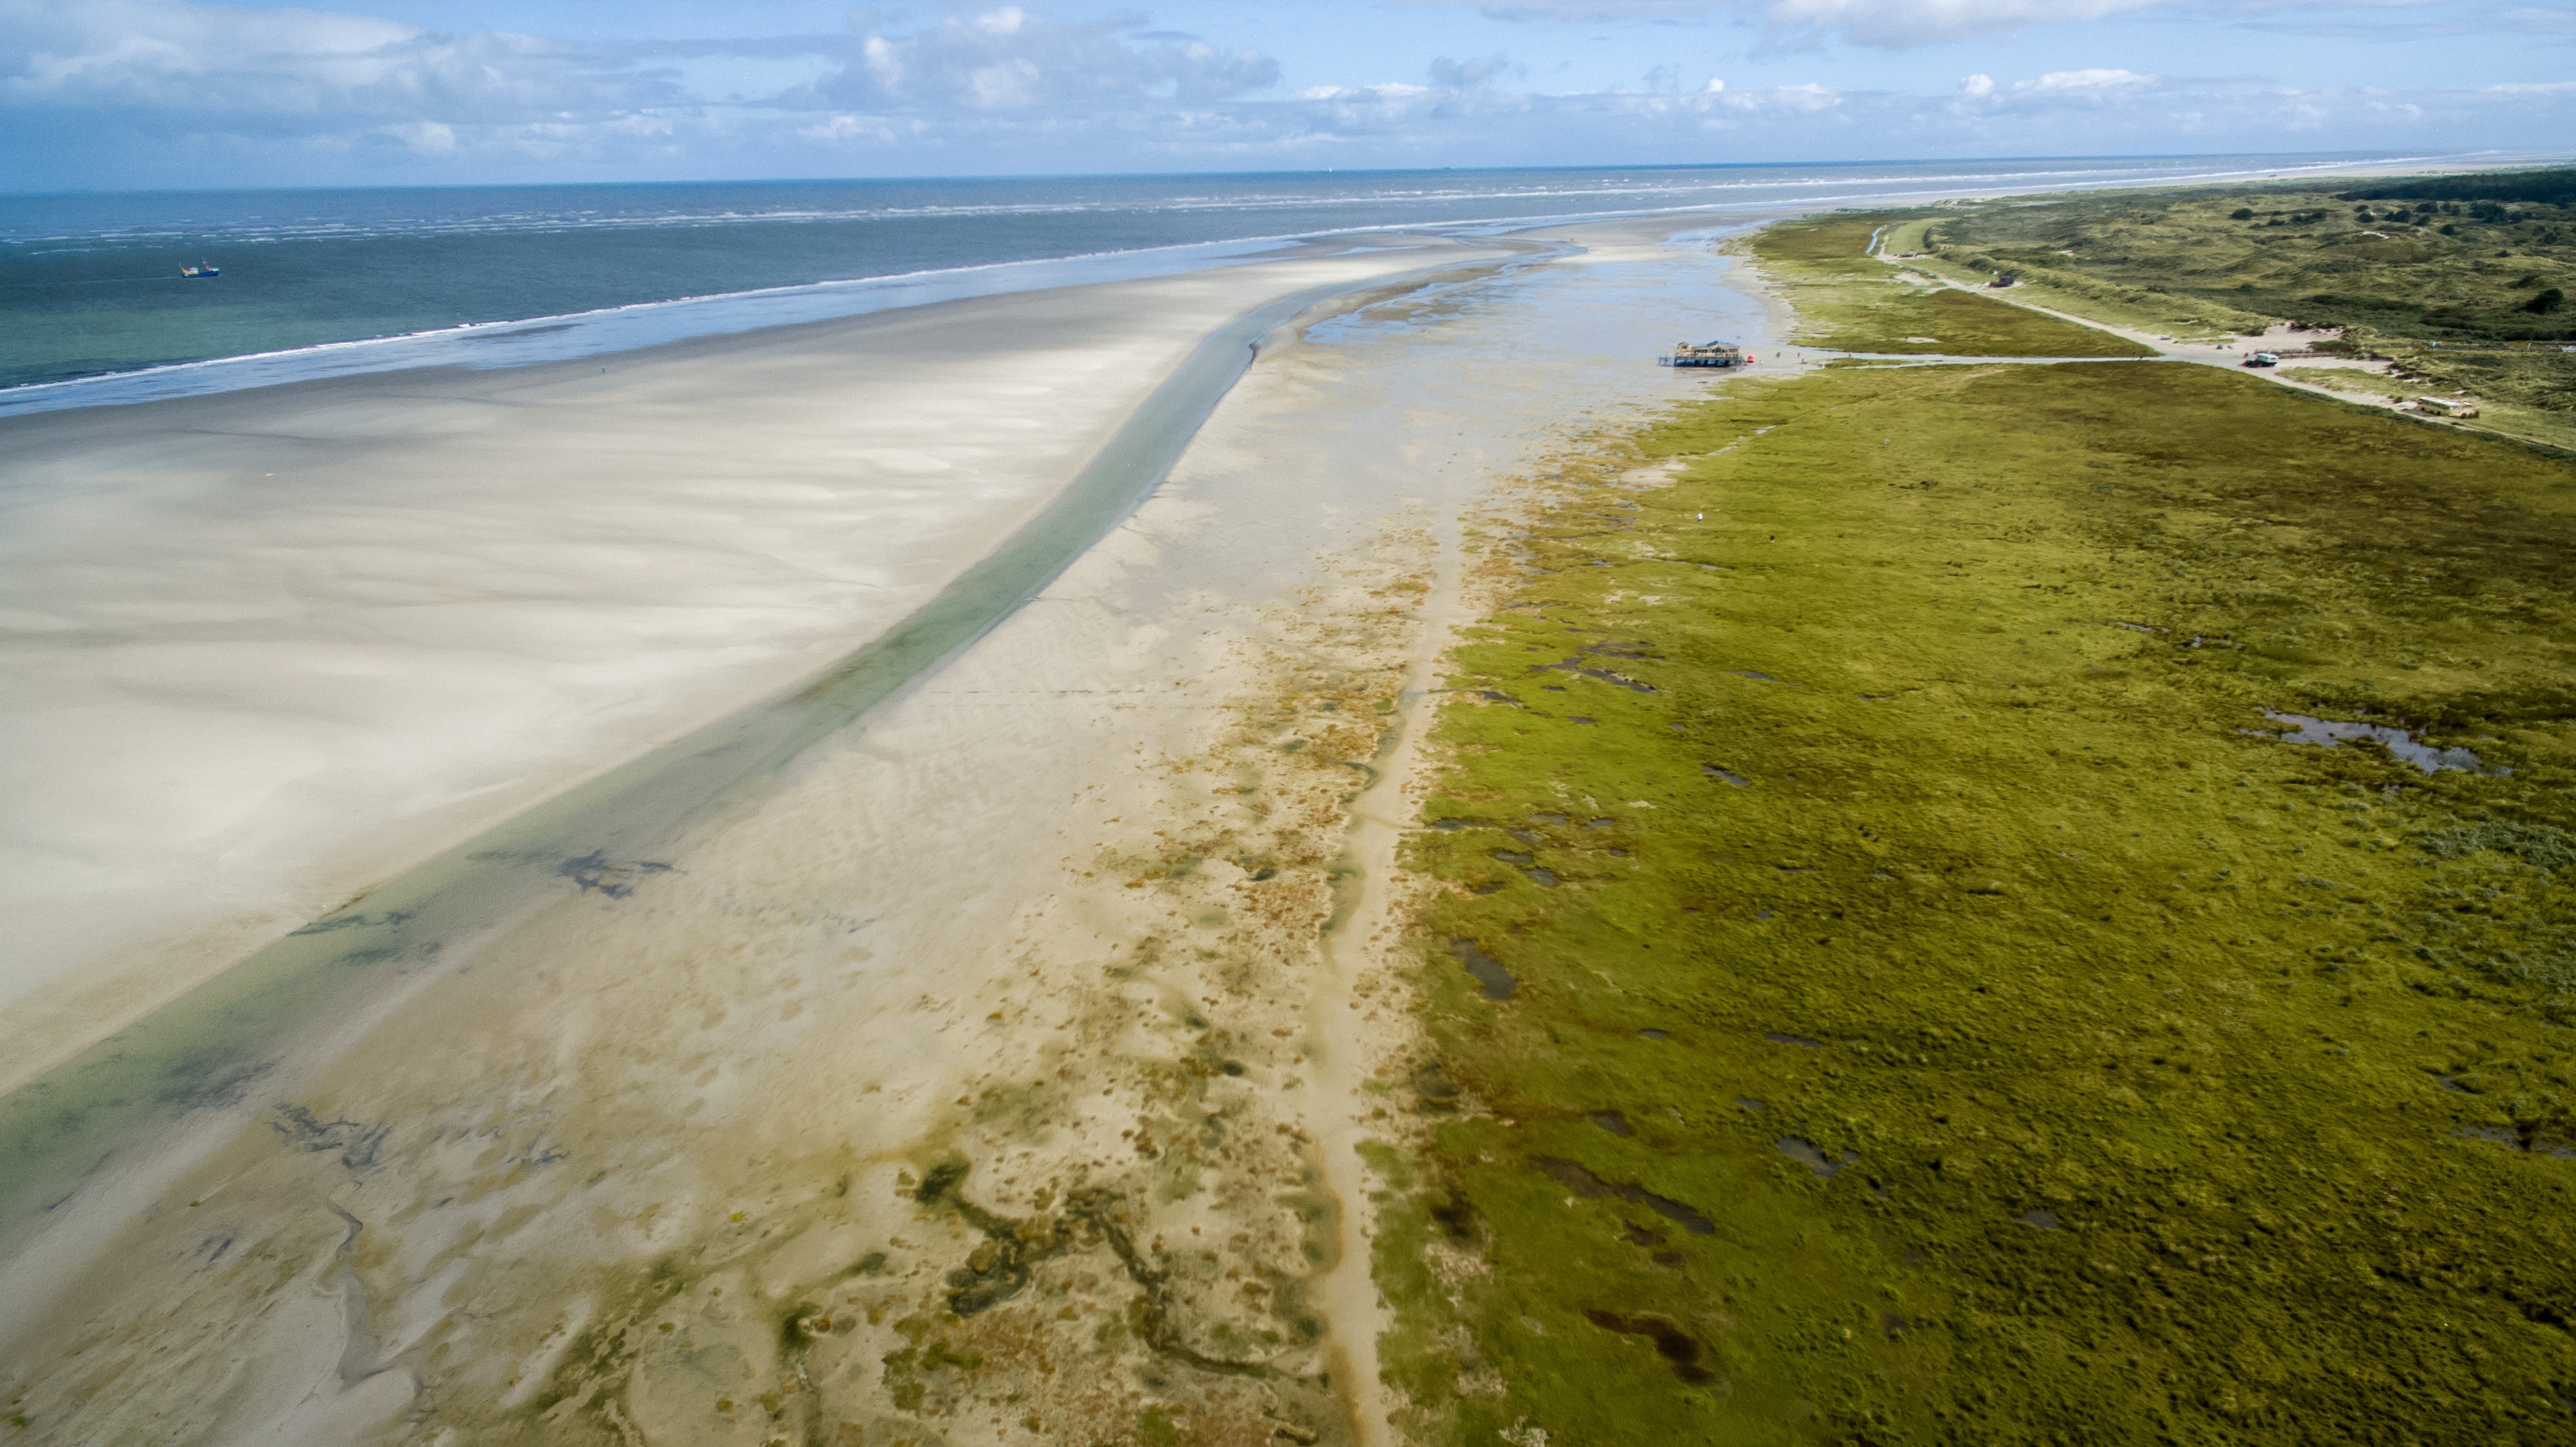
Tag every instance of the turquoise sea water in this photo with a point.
(90, 284)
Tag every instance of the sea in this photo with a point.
(95, 308)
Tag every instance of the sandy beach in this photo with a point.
(271, 648)
(1049, 997)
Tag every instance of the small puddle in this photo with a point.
(2041, 1219)
(2512, 1140)
(1747, 1102)
(1654, 1035)
(1613, 1122)
(1778, 1038)
(1435, 1087)
(1574, 666)
(1489, 972)
(1806, 1154)
(2330, 733)
(1729, 775)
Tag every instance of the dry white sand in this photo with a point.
(263, 650)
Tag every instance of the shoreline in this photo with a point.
(596, 832)
(464, 343)
(44, 1018)
(1017, 923)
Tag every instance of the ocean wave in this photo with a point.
(1672, 188)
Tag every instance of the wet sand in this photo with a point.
(999, 1075)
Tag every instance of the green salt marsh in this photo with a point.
(1943, 1007)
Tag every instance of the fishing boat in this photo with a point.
(200, 269)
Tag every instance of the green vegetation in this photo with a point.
(2556, 188)
(2453, 278)
(1937, 1004)
(1851, 303)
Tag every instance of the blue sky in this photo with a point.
(138, 93)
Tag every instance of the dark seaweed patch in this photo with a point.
(1674, 1345)
(1489, 972)
(355, 921)
(614, 878)
(356, 1143)
(1574, 1177)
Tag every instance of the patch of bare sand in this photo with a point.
(1040, 1155)
(266, 649)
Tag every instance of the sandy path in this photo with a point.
(998, 1078)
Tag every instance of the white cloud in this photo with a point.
(2091, 83)
(1898, 24)
(175, 73)
(430, 138)
(1927, 22)
(1011, 60)
(141, 92)
(1889, 23)
(277, 66)
(1472, 74)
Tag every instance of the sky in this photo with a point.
(126, 94)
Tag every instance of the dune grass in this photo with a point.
(1937, 1005)
(2465, 292)
(1849, 302)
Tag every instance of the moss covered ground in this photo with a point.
(1887, 979)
